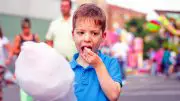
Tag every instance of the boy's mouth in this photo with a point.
(83, 47)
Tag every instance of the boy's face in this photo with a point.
(87, 34)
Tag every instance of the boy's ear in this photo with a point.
(104, 35)
(73, 35)
(72, 32)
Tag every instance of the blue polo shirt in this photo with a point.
(86, 85)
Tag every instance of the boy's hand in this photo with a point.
(91, 58)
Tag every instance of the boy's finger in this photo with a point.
(89, 52)
(85, 56)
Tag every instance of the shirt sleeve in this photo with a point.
(115, 71)
(49, 35)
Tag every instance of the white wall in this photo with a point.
(45, 9)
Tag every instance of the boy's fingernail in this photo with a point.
(87, 49)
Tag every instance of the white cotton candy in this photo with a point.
(44, 74)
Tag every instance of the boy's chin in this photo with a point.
(80, 53)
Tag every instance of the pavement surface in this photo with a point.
(137, 88)
(151, 88)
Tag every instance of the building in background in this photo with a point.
(121, 15)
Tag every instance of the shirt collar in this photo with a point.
(73, 62)
(63, 20)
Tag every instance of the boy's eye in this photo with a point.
(94, 33)
(80, 33)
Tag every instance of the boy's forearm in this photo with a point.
(108, 85)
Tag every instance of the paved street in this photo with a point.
(146, 88)
(138, 88)
(11, 93)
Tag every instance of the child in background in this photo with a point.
(24, 36)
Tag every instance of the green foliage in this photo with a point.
(138, 23)
(156, 42)
(170, 46)
(151, 44)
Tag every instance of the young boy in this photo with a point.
(97, 76)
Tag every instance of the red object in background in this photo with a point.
(155, 22)
(153, 26)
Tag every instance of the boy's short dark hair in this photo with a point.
(26, 20)
(91, 11)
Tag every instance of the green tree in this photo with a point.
(136, 26)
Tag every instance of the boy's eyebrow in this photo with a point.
(85, 30)
(95, 31)
(79, 29)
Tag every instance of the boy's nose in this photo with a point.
(87, 37)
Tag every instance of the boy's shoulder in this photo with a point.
(106, 57)
(108, 60)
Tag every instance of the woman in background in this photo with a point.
(25, 35)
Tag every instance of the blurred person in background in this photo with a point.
(4, 46)
(25, 35)
(172, 61)
(59, 35)
(152, 61)
(158, 57)
(166, 62)
(119, 50)
(177, 64)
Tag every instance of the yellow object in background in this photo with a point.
(165, 22)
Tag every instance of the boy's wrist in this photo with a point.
(98, 65)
